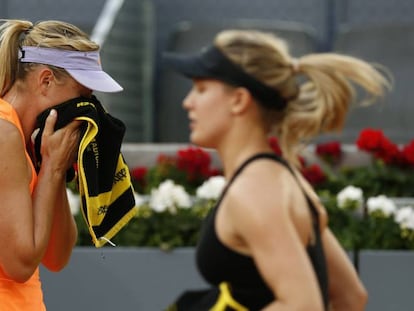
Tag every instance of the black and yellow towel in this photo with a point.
(105, 188)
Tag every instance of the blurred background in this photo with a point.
(134, 33)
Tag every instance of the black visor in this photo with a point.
(211, 63)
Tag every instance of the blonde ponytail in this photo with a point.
(11, 32)
(319, 88)
(327, 95)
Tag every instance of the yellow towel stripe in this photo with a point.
(96, 205)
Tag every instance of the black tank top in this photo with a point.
(217, 263)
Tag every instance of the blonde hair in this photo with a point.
(53, 34)
(319, 88)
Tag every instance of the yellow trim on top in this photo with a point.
(225, 300)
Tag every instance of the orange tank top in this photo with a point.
(16, 296)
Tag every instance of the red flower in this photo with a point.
(389, 153)
(408, 153)
(381, 147)
(195, 161)
(370, 140)
(138, 177)
(274, 144)
(215, 172)
(330, 151)
(314, 174)
(139, 173)
(165, 164)
(164, 159)
(302, 161)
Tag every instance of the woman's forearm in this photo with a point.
(63, 234)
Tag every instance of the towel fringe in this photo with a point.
(107, 240)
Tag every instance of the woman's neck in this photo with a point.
(235, 153)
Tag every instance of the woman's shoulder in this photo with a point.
(262, 175)
(9, 121)
(6, 110)
(259, 186)
(11, 138)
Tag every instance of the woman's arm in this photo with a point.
(260, 213)
(346, 291)
(63, 235)
(63, 232)
(25, 218)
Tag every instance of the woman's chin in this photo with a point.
(195, 139)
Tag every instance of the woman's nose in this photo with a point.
(187, 101)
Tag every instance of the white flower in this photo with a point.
(169, 196)
(382, 204)
(139, 200)
(350, 197)
(74, 201)
(404, 216)
(211, 188)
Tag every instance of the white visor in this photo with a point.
(84, 67)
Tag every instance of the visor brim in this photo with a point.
(190, 66)
(96, 80)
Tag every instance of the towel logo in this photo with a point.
(93, 146)
(102, 210)
(120, 175)
(83, 104)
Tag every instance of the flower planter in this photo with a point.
(108, 279)
(147, 279)
(388, 277)
(145, 154)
